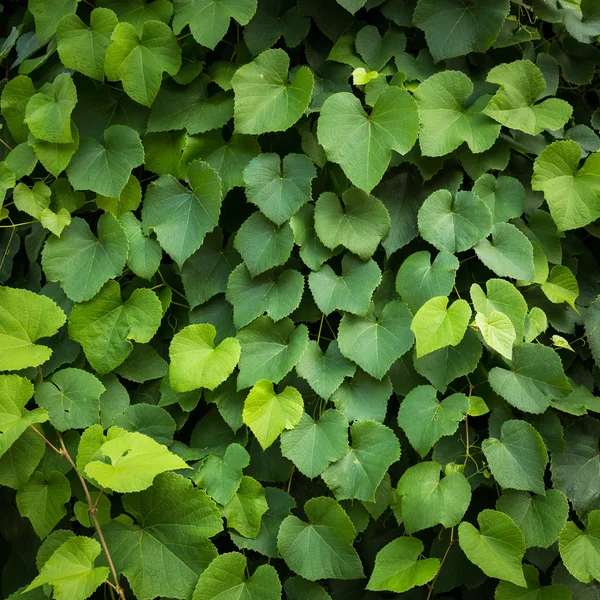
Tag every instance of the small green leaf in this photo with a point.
(505, 196)
(349, 398)
(580, 550)
(145, 253)
(247, 506)
(561, 286)
(498, 332)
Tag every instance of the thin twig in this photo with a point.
(441, 564)
(50, 444)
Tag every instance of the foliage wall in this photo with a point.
(299, 299)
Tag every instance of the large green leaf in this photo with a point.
(265, 99)
(26, 317)
(361, 144)
(329, 534)
(510, 591)
(580, 550)
(47, 14)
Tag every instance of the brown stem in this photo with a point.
(46, 440)
(441, 564)
(92, 509)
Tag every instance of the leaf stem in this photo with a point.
(46, 440)
(441, 563)
(13, 225)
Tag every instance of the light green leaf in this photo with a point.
(15, 96)
(330, 535)
(361, 144)
(454, 224)
(197, 362)
(518, 459)
(497, 548)
(83, 48)
(70, 570)
(454, 29)
(428, 500)
(145, 253)
(498, 332)
(374, 448)
(561, 286)
(540, 518)
(82, 262)
(536, 323)
(312, 445)
(32, 201)
(425, 420)
(270, 350)
(250, 298)
(138, 60)
(128, 199)
(536, 377)
(267, 413)
(245, 510)
(375, 342)
(48, 113)
(505, 196)
(209, 21)
(47, 15)
(72, 399)
(580, 550)
(181, 216)
(436, 325)
(55, 222)
(42, 500)
(359, 222)
(55, 157)
(573, 194)
(279, 187)
(262, 244)
(446, 121)
(324, 372)
(7, 182)
(521, 84)
(398, 567)
(106, 326)
(510, 591)
(173, 520)
(350, 292)
(129, 461)
(265, 99)
(227, 576)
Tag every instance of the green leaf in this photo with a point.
(454, 29)
(247, 506)
(82, 262)
(428, 500)
(349, 398)
(270, 350)
(250, 298)
(129, 461)
(454, 224)
(15, 96)
(26, 317)
(83, 48)
(15, 392)
(497, 548)
(592, 328)
(197, 362)
(518, 459)
(376, 50)
(173, 520)
(536, 377)
(72, 399)
(350, 292)
(521, 84)
(297, 588)
(192, 107)
(498, 332)
(374, 448)
(106, 168)
(265, 99)
(312, 252)
(42, 500)
(359, 222)
(262, 244)
(510, 591)
(573, 194)
(505, 196)
(540, 518)
(425, 420)
(21, 459)
(227, 576)
(106, 326)
(374, 342)
(128, 200)
(48, 113)
(279, 187)
(436, 325)
(361, 144)
(32, 201)
(145, 253)
(267, 413)
(580, 550)
(324, 372)
(329, 534)
(70, 570)
(138, 60)
(561, 286)
(180, 216)
(398, 567)
(137, 12)
(209, 21)
(312, 445)
(446, 121)
(419, 279)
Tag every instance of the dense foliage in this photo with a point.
(300, 298)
